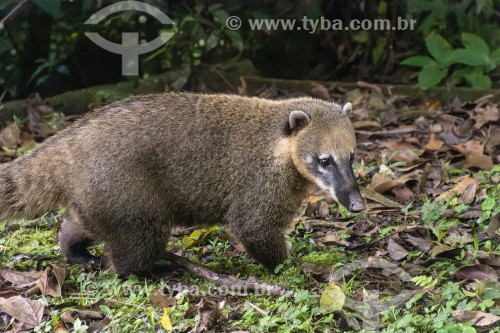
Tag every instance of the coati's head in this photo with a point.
(322, 144)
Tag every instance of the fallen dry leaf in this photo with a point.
(332, 238)
(471, 147)
(456, 237)
(485, 115)
(316, 209)
(382, 183)
(367, 125)
(48, 282)
(478, 273)
(405, 155)
(438, 249)
(309, 268)
(377, 197)
(28, 313)
(71, 315)
(420, 243)
(374, 87)
(55, 281)
(469, 194)
(51, 281)
(494, 226)
(403, 194)
(396, 251)
(36, 111)
(434, 143)
(482, 162)
(457, 190)
(478, 318)
(319, 90)
(21, 280)
(493, 142)
(376, 102)
(161, 300)
(10, 136)
(209, 314)
(60, 327)
(243, 87)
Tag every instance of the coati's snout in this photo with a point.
(324, 153)
(335, 175)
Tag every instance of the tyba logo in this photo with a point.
(130, 47)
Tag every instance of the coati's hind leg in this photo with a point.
(74, 240)
(144, 243)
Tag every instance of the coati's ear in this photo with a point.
(347, 108)
(298, 119)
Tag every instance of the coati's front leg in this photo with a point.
(269, 249)
(74, 240)
(263, 239)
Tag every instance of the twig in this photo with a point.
(256, 308)
(107, 301)
(12, 12)
(322, 223)
(394, 132)
(232, 283)
(375, 241)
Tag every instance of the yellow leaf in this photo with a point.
(332, 298)
(469, 293)
(165, 319)
(196, 236)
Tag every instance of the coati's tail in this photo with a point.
(28, 187)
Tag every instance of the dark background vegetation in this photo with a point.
(43, 48)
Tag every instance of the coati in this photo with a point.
(130, 171)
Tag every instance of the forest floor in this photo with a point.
(423, 257)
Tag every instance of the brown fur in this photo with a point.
(131, 170)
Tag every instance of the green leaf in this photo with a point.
(439, 48)
(212, 41)
(476, 43)
(468, 57)
(235, 38)
(418, 61)
(86, 5)
(379, 49)
(488, 203)
(496, 55)
(220, 15)
(431, 75)
(480, 4)
(53, 7)
(479, 80)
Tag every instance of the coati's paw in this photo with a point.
(88, 262)
(92, 263)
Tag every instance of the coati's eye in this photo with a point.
(324, 162)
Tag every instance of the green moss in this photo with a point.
(252, 270)
(329, 258)
(291, 277)
(219, 266)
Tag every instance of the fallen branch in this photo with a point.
(234, 284)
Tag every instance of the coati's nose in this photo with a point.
(357, 204)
